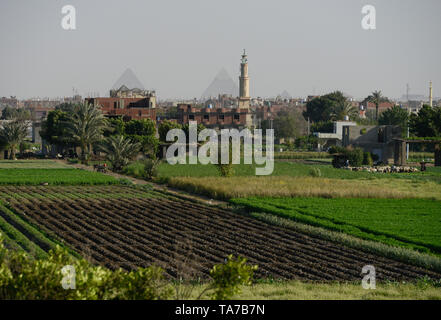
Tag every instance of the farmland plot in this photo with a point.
(119, 226)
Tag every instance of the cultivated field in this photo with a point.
(35, 172)
(32, 164)
(130, 227)
(301, 180)
(96, 217)
(411, 223)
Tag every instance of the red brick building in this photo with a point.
(383, 106)
(127, 108)
(215, 118)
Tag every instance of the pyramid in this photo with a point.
(128, 79)
(285, 95)
(222, 84)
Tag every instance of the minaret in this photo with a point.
(430, 95)
(244, 83)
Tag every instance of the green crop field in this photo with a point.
(34, 172)
(291, 169)
(297, 179)
(53, 177)
(32, 164)
(412, 223)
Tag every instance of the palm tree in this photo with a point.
(344, 109)
(119, 150)
(376, 98)
(85, 126)
(12, 134)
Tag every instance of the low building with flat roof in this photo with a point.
(126, 108)
(220, 118)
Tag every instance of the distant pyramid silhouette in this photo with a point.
(129, 80)
(222, 84)
(285, 95)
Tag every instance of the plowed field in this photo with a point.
(122, 227)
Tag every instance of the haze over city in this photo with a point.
(178, 47)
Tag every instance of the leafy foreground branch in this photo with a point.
(22, 277)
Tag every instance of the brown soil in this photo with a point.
(187, 239)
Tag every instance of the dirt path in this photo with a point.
(158, 187)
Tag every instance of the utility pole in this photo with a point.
(407, 92)
(407, 144)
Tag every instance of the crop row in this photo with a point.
(187, 238)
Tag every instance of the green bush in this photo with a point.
(25, 278)
(228, 277)
(306, 142)
(225, 169)
(150, 168)
(367, 159)
(315, 172)
(355, 156)
(73, 161)
(125, 182)
(22, 277)
(323, 126)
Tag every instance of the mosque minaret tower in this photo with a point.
(244, 83)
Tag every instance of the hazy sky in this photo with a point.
(178, 46)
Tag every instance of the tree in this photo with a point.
(149, 144)
(427, 123)
(287, 124)
(164, 127)
(116, 127)
(340, 111)
(10, 113)
(285, 127)
(394, 116)
(68, 107)
(320, 109)
(85, 126)
(53, 129)
(12, 134)
(376, 98)
(144, 127)
(119, 151)
(186, 127)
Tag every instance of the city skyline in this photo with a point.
(292, 47)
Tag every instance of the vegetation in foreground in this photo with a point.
(22, 277)
(411, 223)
